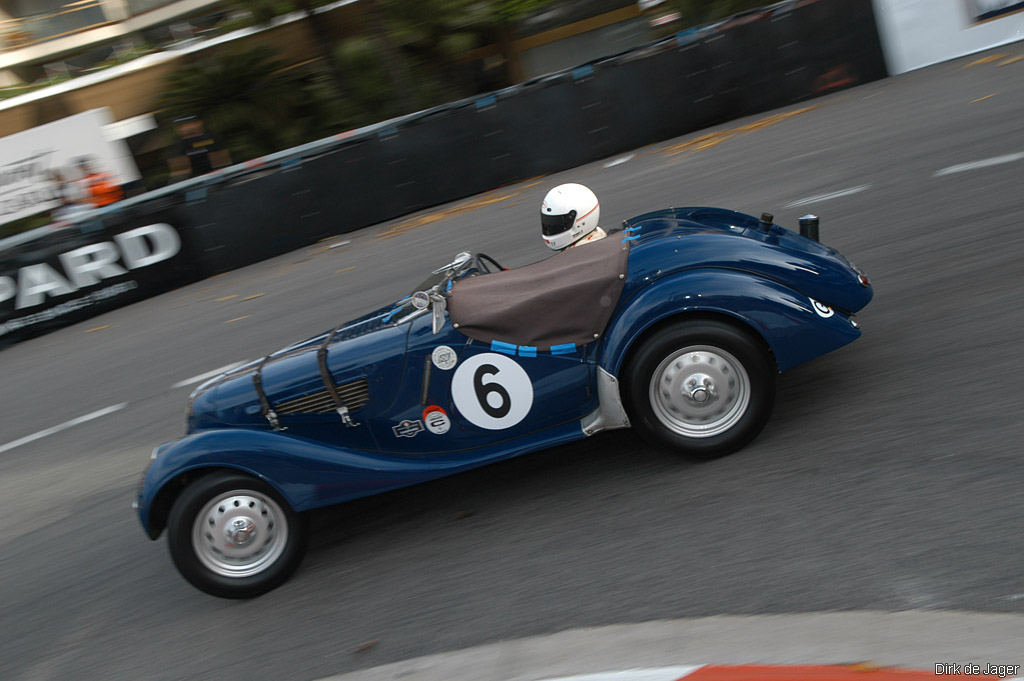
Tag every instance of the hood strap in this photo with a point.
(332, 389)
(268, 411)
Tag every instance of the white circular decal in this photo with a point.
(492, 391)
(420, 300)
(444, 357)
(822, 309)
(437, 421)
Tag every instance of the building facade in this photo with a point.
(38, 33)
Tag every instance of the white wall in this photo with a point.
(29, 157)
(916, 33)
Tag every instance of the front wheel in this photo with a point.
(233, 536)
(702, 389)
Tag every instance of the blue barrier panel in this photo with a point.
(349, 185)
(238, 224)
(841, 45)
(662, 95)
(787, 58)
(753, 71)
(432, 160)
(541, 120)
(598, 110)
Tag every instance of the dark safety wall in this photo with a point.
(753, 62)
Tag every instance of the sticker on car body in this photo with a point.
(436, 420)
(492, 391)
(444, 357)
(408, 428)
(822, 309)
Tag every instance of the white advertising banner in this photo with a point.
(35, 163)
(917, 33)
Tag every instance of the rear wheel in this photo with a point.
(233, 536)
(702, 389)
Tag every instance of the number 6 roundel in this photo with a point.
(492, 391)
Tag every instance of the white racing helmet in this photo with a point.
(568, 213)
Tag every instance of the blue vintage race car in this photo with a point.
(677, 326)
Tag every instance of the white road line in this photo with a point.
(826, 197)
(209, 374)
(619, 160)
(64, 426)
(984, 163)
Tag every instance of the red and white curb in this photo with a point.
(857, 672)
(888, 646)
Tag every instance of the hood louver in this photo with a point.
(353, 395)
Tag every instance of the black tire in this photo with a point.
(270, 537)
(716, 388)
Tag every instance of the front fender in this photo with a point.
(786, 319)
(308, 474)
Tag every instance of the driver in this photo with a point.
(568, 217)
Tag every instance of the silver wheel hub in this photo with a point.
(700, 391)
(239, 533)
(699, 387)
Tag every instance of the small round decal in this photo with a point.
(437, 420)
(420, 300)
(444, 357)
(822, 309)
(492, 391)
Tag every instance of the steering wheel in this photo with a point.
(484, 263)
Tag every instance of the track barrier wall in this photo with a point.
(753, 62)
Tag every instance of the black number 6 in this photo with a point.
(484, 389)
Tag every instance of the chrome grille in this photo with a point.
(353, 395)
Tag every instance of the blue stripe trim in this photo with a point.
(292, 163)
(633, 229)
(503, 348)
(565, 349)
(630, 238)
(486, 101)
(391, 314)
(449, 286)
(388, 132)
(583, 71)
(527, 351)
(687, 36)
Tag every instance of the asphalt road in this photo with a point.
(889, 477)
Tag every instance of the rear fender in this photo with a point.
(785, 319)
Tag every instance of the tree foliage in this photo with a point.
(510, 11)
(406, 55)
(255, 103)
(416, 48)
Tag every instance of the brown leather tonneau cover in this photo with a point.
(567, 298)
